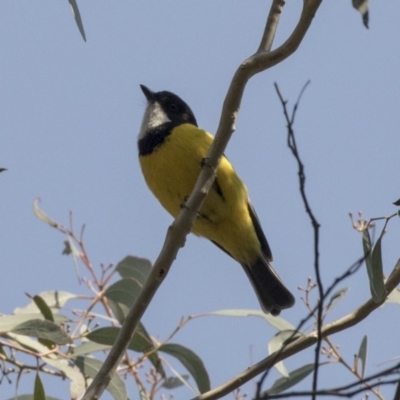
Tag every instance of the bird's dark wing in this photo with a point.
(260, 234)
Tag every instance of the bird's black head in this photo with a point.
(174, 108)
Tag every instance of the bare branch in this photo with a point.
(271, 26)
(303, 342)
(181, 226)
(315, 224)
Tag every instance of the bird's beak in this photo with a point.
(148, 93)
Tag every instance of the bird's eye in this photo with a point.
(173, 108)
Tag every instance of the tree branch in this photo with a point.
(181, 226)
(303, 342)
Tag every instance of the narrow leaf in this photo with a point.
(377, 270)
(336, 298)
(121, 295)
(28, 343)
(173, 382)
(135, 268)
(30, 397)
(362, 354)
(191, 361)
(72, 372)
(44, 308)
(42, 215)
(54, 299)
(276, 344)
(9, 322)
(44, 330)
(38, 393)
(78, 19)
(282, 384)
(374, 267)
(89, 348)
(141, 342)
(90, 367)
(277, 322)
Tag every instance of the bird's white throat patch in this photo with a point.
(154, 116)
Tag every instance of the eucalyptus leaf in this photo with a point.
(44, 308)
(336, 298)
(173, 382)
(191, 361)
(72, 372)
(282, 384)
(90, 366)
(89, 348)
(55, 299)
(44, 330)
(141, 342)
(42, 215)
(134, 267)
(38, 392)
(362, 355)
(277, 322)
(9, 322)
(276, 343)
(78, 19)
(373, 261)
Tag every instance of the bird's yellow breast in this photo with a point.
(171, 171)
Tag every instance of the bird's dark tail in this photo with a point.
(271, 292)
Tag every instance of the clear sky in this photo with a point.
(70, 113)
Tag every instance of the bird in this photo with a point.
(172, 149)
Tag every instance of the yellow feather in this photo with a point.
(171, 171)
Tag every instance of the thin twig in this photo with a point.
(181, 226)
(271, 25)
(341, 390)
(309, 340)
(315, 224)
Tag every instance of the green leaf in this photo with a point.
(9, 322)
(191, 361)
(119, 310)
(135, 268)
(277, 322)
(362, 7)
(44, 330)
(44, 308)
(173, 382)
(336, 298)
(373, 261)
(30, 397)
(38, 393)
(275, 344)
(362, 355)
(72, 372)
(78, 19)
(42, 215)
(377, 270)
(122, 294)
(141, 342)
(282, 384)
(90, 367)
(89, 348)
(28, 343)
(54, 299)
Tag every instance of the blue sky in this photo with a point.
(69, 116)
